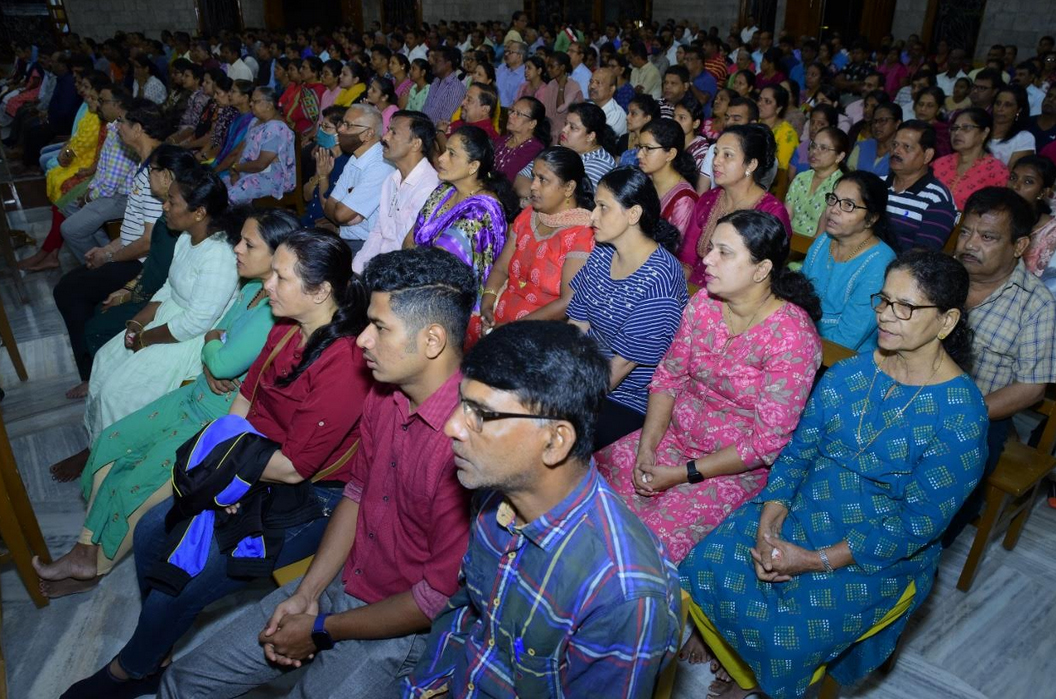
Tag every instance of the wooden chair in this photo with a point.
(1011, 491)
(8, 337)
(291, 200)
(19, 528)
(113, 229)
(832, 353)
(799, 246)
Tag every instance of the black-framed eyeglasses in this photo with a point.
(642, 146)
(902, 310)
(476, 415)
(881, 120)
(846, 205)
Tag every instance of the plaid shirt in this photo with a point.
(445, 96)
(115, 169)
(579, 603)
(1015, 334)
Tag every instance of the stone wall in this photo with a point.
(435, 10)
(719, 13)
(99, 19)
(1019, 22)
(253, 13)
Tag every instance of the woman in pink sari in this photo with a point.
(672, 170)
(727, 396)
(744, 156)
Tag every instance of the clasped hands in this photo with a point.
(287, 638)
(775, 559)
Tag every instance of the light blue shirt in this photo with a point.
(581, 75)
(359, 188)
(508, 82)
(847, 316)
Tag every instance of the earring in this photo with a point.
(942, 336)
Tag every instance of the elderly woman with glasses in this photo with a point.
(874, 154)
(267, 167)
(847, 261)
(971, 166)
(846, 534)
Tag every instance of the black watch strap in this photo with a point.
(693, 475)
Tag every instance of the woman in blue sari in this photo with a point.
(469, 212)
(239, 97)
(846, 536)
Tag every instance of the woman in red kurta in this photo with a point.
(552, 239)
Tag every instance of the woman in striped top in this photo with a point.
(586, 132)
(629, 296)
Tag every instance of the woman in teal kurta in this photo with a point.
(888, 448)
(130, 466)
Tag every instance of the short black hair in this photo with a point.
(998, 199)
(926, 131)
(553, 369)
(426, 285)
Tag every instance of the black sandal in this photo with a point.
(104, 684)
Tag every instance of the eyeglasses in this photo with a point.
(964, 127)
(814, 145)
(978, 87)
(902, 311)
(476, 416)
(642, 146)
(882, 120)
(846, 205)
(522, 115)
(353, 125)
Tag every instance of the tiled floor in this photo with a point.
(995, 642)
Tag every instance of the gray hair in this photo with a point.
(372, 115)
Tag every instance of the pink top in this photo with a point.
(706, 214)
(525, 90)
(557, 104)
(327, 100)
(677, 206)
(987, 171)
(746, 391)
(893, 77)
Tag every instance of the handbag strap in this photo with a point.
(271, 358)
(323, 474)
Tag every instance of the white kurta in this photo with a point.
(202, 282)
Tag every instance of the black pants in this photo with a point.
(996, 437)
(34, 140)
(614, 422)
(79, 292)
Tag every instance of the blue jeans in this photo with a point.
(48, 152)
(163, 618)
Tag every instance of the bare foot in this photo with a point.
(49, 261)
(53, 589)
(78, 391)
(70, 468)
(695, 651)
(32, 259)
(728, 689)
(78, 564)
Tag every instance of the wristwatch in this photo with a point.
(320, 636)
(694, 476)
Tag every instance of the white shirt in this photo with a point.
(239, 71)
(359, 188)
(401, 200)
(1003, 150)
(672, 54)
(615, 117)
(946, 83)
(581, 74)
(747, 33)
(419, 51)
(254, 67)
(1035, 96)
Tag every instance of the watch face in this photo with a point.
(322, 640)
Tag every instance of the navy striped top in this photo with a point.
(635, 318)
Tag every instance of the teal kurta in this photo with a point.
(143, 445)
(891, 505)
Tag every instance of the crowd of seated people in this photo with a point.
(548, 332)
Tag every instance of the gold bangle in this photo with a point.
(130, 323)
(489, 291)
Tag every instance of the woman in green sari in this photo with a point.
(130, 467)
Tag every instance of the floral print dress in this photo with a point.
(745, 391)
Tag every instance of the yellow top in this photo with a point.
(83, 144)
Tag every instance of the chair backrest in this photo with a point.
(1047, 407)
(832, 353)
(800, 245)
(951, 243)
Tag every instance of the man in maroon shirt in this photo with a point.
(397, 538)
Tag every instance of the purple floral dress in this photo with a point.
(275, 180)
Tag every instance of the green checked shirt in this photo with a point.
(1015, 334)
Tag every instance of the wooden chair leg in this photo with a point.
(995, 502)
(17, 499)
(8, 337)
(15, 540)
(1020, 520)
(830, 688)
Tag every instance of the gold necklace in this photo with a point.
(857, 249)
(728, 317)
(865, 408)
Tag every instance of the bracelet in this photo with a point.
(775, 502)
(825, 560)
(489, 291)
(130, 323)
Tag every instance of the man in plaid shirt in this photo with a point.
(1013, 316)
(565, 592)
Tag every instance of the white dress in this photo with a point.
(202, 282)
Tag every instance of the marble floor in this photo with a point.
(995, 642)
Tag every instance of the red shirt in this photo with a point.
(413, 523)
(717, 67)
(489, 128)
(316, 418)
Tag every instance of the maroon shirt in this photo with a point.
(316, 418)
(413, 523)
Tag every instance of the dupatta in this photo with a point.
(428, 228)
(236, 133)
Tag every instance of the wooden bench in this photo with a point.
(1011, 491)
(799, 246)
(294, 200)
